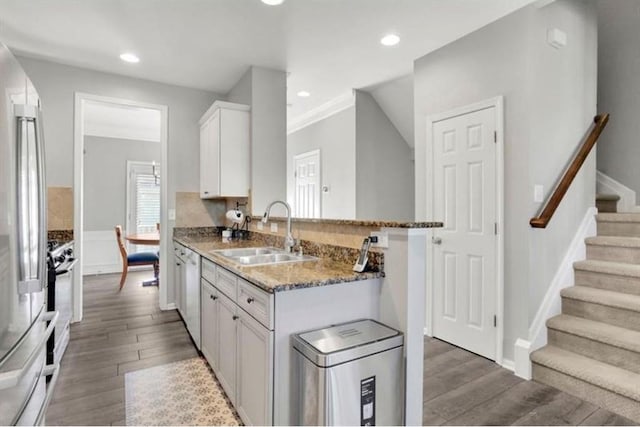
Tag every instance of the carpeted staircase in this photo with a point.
(593, 349)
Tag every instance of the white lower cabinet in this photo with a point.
(238, 347)
(255, 371)
(227, 333)
(210, 328)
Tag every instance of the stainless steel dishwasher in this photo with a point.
(349, 374)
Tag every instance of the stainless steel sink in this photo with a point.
(232, 253)
(261, 256)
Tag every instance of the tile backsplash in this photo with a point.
(59, 208)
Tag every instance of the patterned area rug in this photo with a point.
(180, 393)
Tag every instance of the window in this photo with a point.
(143, 213)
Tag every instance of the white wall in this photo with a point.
(619, 90)
(265, 91)
(549, 104)
(384, 169)
(335, 137)
(105, 178)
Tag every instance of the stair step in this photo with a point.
(607, 202)
(613, 308)
(618, 224)
(611, 276)
(610, 344)
(613, 248)
(612, 388)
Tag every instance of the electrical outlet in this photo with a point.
(260, 226)
(274, 227)
(383, 239)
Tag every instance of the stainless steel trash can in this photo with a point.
(349, 374)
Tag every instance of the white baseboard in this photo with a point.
(551, 304)
(522, 362)
(509, 364)
(607, 185)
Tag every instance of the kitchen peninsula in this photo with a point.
(249, 313)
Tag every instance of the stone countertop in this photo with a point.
(359, 223)
(279, 277)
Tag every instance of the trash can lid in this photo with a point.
(347, 339)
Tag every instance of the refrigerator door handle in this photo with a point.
(12, 378)
(31, 200)
(54, 371)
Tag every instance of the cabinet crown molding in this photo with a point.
(222, 105)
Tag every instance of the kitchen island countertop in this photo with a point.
(278, 277)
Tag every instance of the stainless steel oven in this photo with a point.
(61, 262)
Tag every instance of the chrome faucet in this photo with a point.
(288, 241)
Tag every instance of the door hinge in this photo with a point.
(495, 321)
(495, 136)
(495, 228)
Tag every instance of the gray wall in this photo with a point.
(384, 169)
(335, 136)
(265, 91)
(57, 84)
(549, 99)
(105, 178)
(619, 90)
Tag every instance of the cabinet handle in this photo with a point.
(235, 317)
(250, 300)
(213, 297)
(206, 192)
(177, 264)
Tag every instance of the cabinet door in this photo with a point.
(213, 173)
(227, 319)
(205, 189)
(210, 157)
(210, 325)
(255, 371)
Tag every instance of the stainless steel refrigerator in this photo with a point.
(26, 382)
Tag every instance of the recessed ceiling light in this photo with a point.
(304, 94)
(273, 2)
(390, 40)
(130, 57)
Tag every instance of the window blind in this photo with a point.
(147, 202)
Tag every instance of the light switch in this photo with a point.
(538, 193)
(274, 227)
(172, 214)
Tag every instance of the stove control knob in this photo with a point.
(68, 251)
(60, 258)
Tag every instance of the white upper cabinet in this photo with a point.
(224, 151)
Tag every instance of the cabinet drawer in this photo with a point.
(208, 271)
(257, 303)
(226, 282)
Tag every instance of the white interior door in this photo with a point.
(307, 178)
(465, 280)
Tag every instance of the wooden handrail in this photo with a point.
(543, 219)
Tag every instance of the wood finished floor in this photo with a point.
(120, 332)
(462, 388)
(126, 331)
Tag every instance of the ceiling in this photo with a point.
(327, 46)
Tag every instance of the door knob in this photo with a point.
(436, 240)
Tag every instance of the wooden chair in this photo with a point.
(138, 258)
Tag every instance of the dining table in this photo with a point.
(148, 239)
